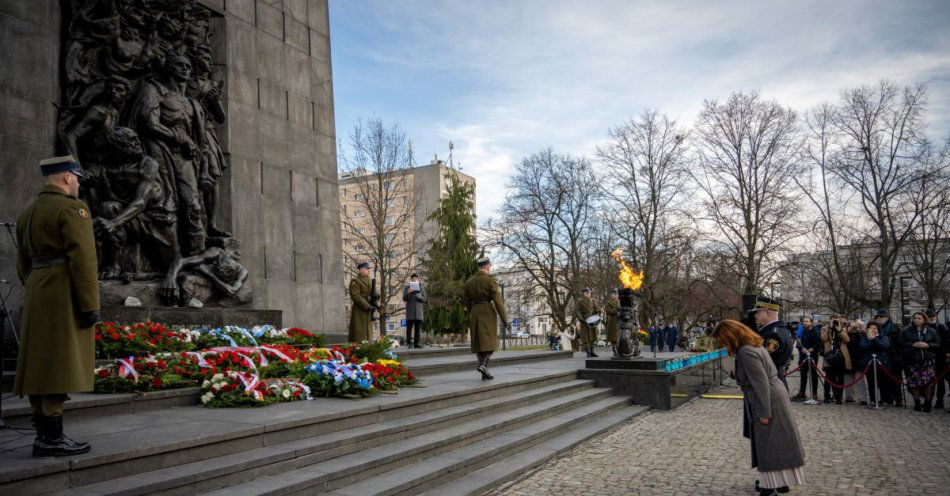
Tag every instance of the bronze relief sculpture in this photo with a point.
(142, 112)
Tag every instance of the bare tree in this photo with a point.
(748, 152)
(928, 249)
(883, 158)
(837, 271)
(545, 223)
(645, 170)
(379, 207)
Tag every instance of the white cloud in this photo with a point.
(560, 73)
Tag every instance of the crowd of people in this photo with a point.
(873, 363)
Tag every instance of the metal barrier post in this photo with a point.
(877, 395)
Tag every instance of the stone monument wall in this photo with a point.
(278, 195)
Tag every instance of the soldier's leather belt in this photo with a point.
(40, 262)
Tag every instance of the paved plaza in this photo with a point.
(698, 450)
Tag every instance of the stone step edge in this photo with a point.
(523, 463)
(472, 457)
(197, 443)
(208, 469)
(495, 362)
(308, 476)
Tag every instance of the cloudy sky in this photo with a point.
(504, 78)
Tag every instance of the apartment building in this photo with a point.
(397, 204)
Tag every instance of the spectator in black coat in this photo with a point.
(920, 344)
(808, 346)
(942, 355)
(895, 391)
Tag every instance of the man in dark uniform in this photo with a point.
(483, 300)
(56, 261)
(774, 333)
(584, 309)
(361, 315)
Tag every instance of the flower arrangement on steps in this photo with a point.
(116, 340)
(237, 376)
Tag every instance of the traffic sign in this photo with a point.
(402, 323)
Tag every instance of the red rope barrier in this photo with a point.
(838, 386)
(790, 372)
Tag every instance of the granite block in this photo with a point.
(296, 33)
(243, 9)
(318, 13)
(270, 19)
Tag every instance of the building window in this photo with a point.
(390, 326)
(390, 237)
(360, 248)
(358, 213)
(360, 230)
(390, 220)
(359, 197)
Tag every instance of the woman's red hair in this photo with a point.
(734, 334)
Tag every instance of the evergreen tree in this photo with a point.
(450, 260)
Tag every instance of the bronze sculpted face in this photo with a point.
(126, 142)
(179, 67)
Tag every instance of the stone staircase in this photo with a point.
(457, 435)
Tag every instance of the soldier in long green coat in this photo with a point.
(583, 309)
(483, 300)
(56, 261)
(361, 315)
(612, 320)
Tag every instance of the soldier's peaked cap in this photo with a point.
(766, 303)
(65, 163)
(483, 261)
(362, 265)
(587, 290)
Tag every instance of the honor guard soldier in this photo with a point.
(483, 300)
(777, 341)
(584, 309)
(56, 261)
(612, 312)
(361, 315)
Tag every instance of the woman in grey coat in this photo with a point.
(777, 452)
(415, 297)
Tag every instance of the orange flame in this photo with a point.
(629, 278)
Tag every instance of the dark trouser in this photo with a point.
(413, 338)
(895, 389)
(834, 374)
(807, 370)
(672, 347)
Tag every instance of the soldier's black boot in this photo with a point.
(590, 352)
(483, 366)
(927, 408)
(613, 348)
(487, 375)
(50, 440)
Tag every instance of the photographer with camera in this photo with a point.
(834, 340)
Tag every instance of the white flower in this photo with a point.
(286, 393)
(217, 377)
(205, 398)
(206, 384)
